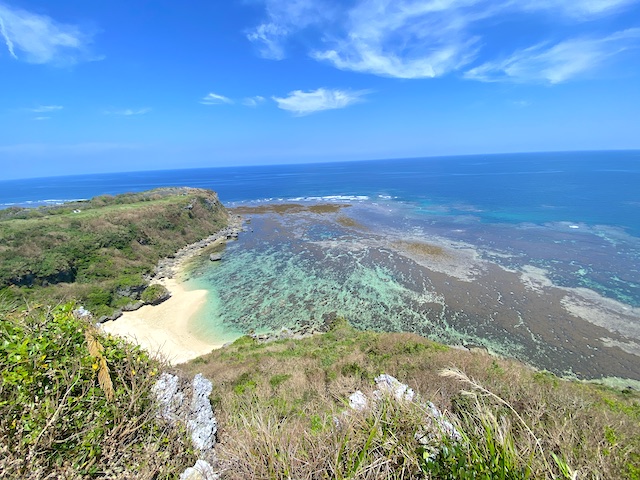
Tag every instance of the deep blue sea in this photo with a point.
(538, 254)
(595, 188)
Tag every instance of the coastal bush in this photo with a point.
(77, 404)
(154, 294)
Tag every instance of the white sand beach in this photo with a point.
(165, 329)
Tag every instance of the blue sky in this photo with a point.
(96, 86)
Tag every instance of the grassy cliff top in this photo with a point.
(283, 408)
(100, 250)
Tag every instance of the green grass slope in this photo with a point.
(99, 252)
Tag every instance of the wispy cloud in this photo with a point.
(253, 101)
(46, 108)
(305, 103)
(430, 38)
(7, 39)
(577, 8)
(284, 18)
(128, 112)
(557, 63)
(215, 99)
(404, 39)
(41, 118)
(268, 37)
(39, 39)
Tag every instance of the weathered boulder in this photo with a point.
(390, 385)
(202, 423)
(130, 307)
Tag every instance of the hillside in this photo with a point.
(283, 408)
(100, 252)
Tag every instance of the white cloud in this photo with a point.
(215, 99)
(46, 108)
(285, 17)
(576, 8)
(127, 112)
(421, 38)
(39, 39)
(404, 38)
(7, 39)
(253, 101)
(269, 38)
(558, 63)
(304, 103)
(42, 118)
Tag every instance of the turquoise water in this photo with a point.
(296, 269)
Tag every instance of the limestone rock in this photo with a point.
(188, 404)
(202, 470)
(436, 425)
(202, 423)
(390, 385)
(107, 318)
(166, 391)
(358, 401)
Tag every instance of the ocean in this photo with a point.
(534, 256)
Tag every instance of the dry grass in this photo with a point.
(276, 404)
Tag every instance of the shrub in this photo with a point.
(77, 404)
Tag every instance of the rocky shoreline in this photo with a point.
(169, 267)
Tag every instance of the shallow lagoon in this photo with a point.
(558, 296)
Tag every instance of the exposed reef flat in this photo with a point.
(302, 264)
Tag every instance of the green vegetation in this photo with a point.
(282, 404)
(154, 293)
(100, 252)
(78, 404)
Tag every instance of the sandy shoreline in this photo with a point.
(165, 330)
